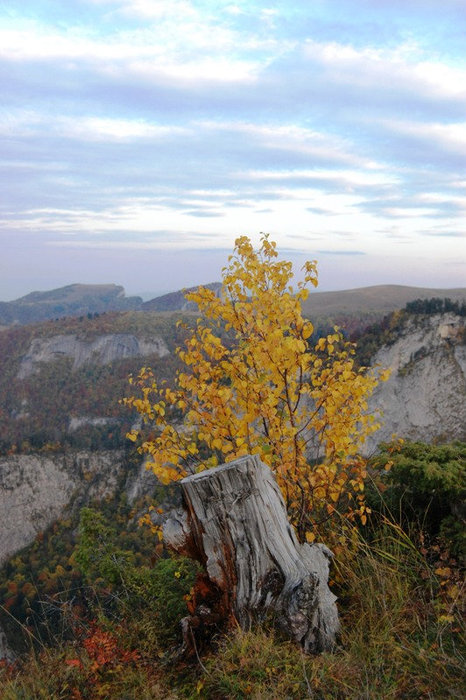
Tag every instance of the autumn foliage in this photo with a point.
(254, 382)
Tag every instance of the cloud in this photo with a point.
(341, 252)
(204, 213)
(180, 124)
(405, 67)
(450, 138)
(181, 44)
(87, 128)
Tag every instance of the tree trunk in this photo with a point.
(234, 522)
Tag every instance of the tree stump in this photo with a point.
(234, 522)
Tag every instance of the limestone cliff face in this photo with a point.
(101, 350)
(425, 397)
(36, 489)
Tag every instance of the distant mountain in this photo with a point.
(72, 300)
(378, 300)
(366, 303)
(353, 309)
(176, 301)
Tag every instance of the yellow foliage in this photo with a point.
(255, 383)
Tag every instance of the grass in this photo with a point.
(395, 641)
(403, 636)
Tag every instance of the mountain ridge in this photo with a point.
(71, 300)
(372, 302)
(379, 299)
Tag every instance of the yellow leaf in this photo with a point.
(446, 618)
(247, 383)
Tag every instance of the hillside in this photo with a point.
(72, 300)
(354, 310)
(61, 381)
(364, 303)
(378, 300)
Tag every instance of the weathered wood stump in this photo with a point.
(234, 522)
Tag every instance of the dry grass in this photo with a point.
(403, 637)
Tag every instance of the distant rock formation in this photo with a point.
(100, 351)
(425, 396)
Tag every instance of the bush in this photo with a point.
(150, 596)
(426, 485)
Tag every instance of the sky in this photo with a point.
(140, 138)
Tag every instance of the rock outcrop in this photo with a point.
(425, 396)
(36, 489)
(101, 350)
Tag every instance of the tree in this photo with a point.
(254, 383)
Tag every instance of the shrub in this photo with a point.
(425, 484)
(153, 597)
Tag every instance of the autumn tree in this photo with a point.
(254, 382)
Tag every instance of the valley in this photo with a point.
(63, 427)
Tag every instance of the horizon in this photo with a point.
(142, 137)
(148, 296)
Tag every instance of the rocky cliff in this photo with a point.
(100, 351)
(425, 397)
(38, 489)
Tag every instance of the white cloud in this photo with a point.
(181, 53)
(447, 137)
(86, 128)
(93, 128)
(352, 178)
(405, 67)
(296, 139)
